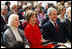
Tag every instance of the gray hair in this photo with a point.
(10, 19)
(49, 11)
(3, 7)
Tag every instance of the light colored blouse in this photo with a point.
(16, 33)
(62, 19)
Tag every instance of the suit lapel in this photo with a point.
(3, 20)
(20, 34)
(52, 27)
(12, 33)
(68, 22)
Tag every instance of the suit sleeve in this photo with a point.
(46, 32)
(65, 29)
(2, 25)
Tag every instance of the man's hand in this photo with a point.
(26, 46)
(43, 41)
(60, 44)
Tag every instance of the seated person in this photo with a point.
(52, 30)
(33, 33)
(67, 25)
(4, 12)
(14, 34)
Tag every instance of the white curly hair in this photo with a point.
(11, 18)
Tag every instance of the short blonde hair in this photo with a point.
(10, 19)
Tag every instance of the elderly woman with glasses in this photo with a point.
(13, 36)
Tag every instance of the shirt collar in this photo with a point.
(3, 16)
(53, 22)
(13, 27)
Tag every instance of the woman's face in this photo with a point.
(37, 9)
(33, 19)
(15, 22)
(63, 11)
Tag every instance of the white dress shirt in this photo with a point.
(3, 16)
(53, 22)
(62, 19)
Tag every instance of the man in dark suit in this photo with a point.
(67, 25)
(3, 17)
(67, 28)
(3, 21)
(52, 30)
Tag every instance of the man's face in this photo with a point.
(53, 16)
(4, 11)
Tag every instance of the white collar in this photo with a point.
(53, 22)
(3, 16)
(13, 27)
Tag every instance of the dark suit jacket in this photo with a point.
(2, 24)
(49, 32)
(67, 28)
(3, 28)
